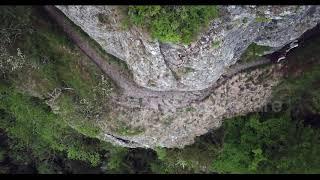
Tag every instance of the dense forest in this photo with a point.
(51, 94)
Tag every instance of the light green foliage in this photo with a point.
(68, 111)
(172, 23)
(39, 130)
(125, 130)
(76, 154)
(161, 153)
(77, 88)
(262, 19)
(190, 109)
(216, 44)
(272, 145)
(116, 157)
(36, 134)
(253, 52)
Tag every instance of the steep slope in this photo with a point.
(156, 65)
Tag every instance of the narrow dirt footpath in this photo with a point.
(132, 95)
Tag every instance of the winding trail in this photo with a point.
(132, 95)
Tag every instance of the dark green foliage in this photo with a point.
(280, 142)
(253, 52)
(274, 145)
(195, 158)
(115, 163)
(64, 142)
(2, 154)
(14, 21)
(37, 135)
(53, 63)
(301, 87)
(103, 18)
(35, 129)
(172, 23)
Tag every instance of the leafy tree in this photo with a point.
(274, 145)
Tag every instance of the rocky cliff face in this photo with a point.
(243, 93)
(162, 67)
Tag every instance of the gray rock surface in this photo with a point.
(162, 67)
(243, 93)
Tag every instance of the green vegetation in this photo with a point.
(253, 52)
(48, 73)
(300, 90)
(284, 142)
(125, 130)
(196, 158)
(216, 44)
(2, 155)
(262, 19)
(190, 109)
(183, 71)
(103, 18)
(51, 97)
(35, 130)
(268, 145)
(177, 24)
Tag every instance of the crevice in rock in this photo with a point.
(124, 142)
(176, 77)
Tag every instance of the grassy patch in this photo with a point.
(37, 135)
(55, 64)
(262, 19)
(215, 44)
(177, 24)
(125, 130)
(253, 52)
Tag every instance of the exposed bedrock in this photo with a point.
(163, 67)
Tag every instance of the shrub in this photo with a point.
(254, 144)
(177, 24)
(253, 52)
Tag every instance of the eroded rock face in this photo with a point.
(243, 93)
(162, 67)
